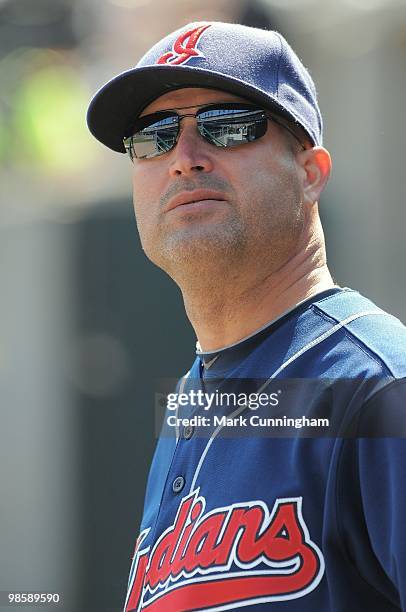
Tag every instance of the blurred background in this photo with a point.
(87, 324)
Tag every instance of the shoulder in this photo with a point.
(372, 332)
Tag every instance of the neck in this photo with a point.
(224, 308)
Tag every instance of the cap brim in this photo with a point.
(117, 104)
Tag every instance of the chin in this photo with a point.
(184, 256)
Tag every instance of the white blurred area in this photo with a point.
(54, 54)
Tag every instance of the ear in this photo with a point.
(315, 167)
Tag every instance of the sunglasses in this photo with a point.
(223, 125)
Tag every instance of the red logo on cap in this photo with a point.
(184, 47)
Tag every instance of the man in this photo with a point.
(244, 510)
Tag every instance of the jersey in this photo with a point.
(285, 520)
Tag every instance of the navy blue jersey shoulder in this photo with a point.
(297, 504)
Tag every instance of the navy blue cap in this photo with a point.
(258, 65)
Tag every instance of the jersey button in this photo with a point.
(188, 432)
(178, 484)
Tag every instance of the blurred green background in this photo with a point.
(87, 324)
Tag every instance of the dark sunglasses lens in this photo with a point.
(230, 127)
(153, 139)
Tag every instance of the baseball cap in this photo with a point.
(256, 64)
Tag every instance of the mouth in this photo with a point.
(194, 199)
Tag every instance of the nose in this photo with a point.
(190, 154)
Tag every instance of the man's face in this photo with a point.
(248, 210)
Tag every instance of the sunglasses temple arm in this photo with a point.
(282, 124)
